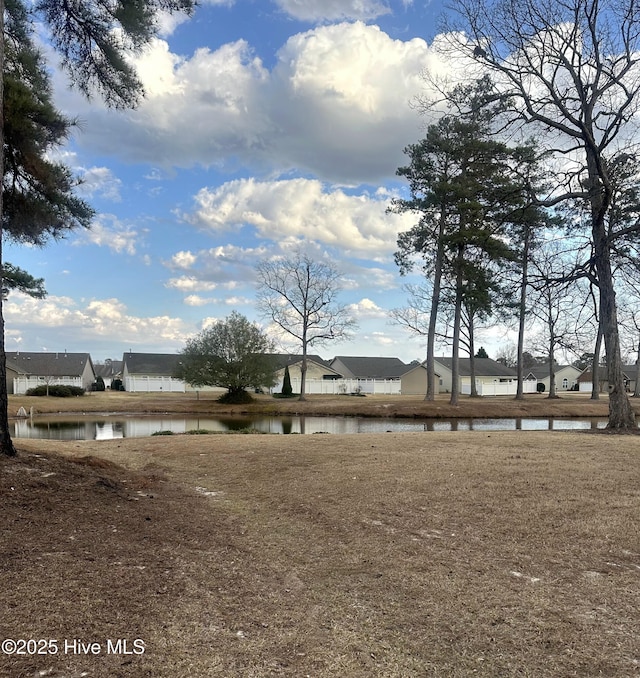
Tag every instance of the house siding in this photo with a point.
(151, 373)
(29, 370)
(414, 382)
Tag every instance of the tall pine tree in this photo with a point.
(93, 37)
(466, 188)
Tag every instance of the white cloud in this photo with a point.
(336, 104)
(196, 300)
(333, 10)
(99, 181)
(65, 321)
(184, 260)
(301, 209)
(190, 284)
(108, 231)
(365, 309)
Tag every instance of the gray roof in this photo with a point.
(629, 371)
(485, 367)
(542, 370)
(365, 367)
(60, 364)
(283, 359)
(108, 369)
(164, 364)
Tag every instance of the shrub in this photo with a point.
(117, 385)
(99, 384)
(162, 433)
(56, 390)
(540, 387)
(287, 389)
(235, 398)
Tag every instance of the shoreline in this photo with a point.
(570, 404)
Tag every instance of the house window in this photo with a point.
(565, 384)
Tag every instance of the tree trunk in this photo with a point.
(455, 364)
(6, 444)
(433, 315)
(621, 414)
(552, 367)
(472, 361)
(636, 390)
(303, 371)
(522, 307)
(595, 368)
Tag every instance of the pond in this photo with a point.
(93, 427)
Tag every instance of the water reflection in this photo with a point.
(106, 428)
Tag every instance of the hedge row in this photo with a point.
(57, 390)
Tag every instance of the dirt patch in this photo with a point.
(435, 554)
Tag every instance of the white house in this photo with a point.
(367, 374)
(585, 380)
(320, 378)
(492, 378)
(566, 376)
(28, 370)
(151, 372)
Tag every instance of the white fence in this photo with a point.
(22, 384)
(140, 384)
(344, 386)
(495, 388)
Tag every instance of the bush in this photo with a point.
(235, 398)
(99, 384)
(540, 387)
(56, 390)
(117, 385)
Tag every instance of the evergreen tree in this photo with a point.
(287, 389)
(36, 195)
(466, 188)
(16, 278)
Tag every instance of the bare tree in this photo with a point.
(571, 69)
(555, 304)
(300, 296)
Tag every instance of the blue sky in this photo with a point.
(267, 125)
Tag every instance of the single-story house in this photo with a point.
(414, 380)
(151, 372)
(109, 370)
(321, 377)
(585, 380)
(492, 378)
(566, 376)
(369, 374)
(28, 370)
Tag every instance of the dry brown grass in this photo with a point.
(396, 555)
(569, 405)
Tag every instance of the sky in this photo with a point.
(268, 125)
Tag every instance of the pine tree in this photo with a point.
(287, 389)
(37, 200)
(465, 187)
